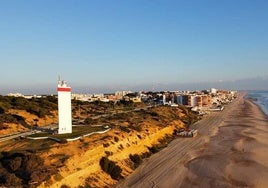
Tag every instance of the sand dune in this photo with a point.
(231, 151)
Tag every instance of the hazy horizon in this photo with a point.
(104, 46)
(239, 85)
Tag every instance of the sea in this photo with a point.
(260, 98)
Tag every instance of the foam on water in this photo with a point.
(261, 99)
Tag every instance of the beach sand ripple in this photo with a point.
(230, 151)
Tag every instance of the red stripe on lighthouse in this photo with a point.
(64, 89)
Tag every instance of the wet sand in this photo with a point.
(230, 151)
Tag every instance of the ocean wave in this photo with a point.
(261, 98)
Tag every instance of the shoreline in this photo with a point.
(259, 106)
(231, 150)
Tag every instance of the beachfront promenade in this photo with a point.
(231, 150)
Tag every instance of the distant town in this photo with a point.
(200, 101)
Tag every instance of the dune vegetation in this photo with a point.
(96, 161)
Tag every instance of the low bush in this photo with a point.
(85, 186)
(63, 141)
(21, 168)
(125, 129)
(153, 113)
(108, 153)
(111, 168)
(146, 155)
(2, 110)
(3, 126)
(136, 127)
(65, 186)
(153, 149)
(105, 145)
(58, 177)
(136, 159)
(121, 147)
(9, 180)
(7, 118)
(88, 120)
(116, 139)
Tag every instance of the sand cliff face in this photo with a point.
(84, 163)
(78, 162)
(83, 156)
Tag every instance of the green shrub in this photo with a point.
(153, 113)
(85, 186)
(125, 129)
(136, 159)
(111, 168)
(88, 120)
(106, 145)
(58, 177)
(116, 139)
(23, 167)
(136, 127)
(108, 153)
(65, 186)
(146, 155)
(63, 141)
(2, 110)
(3, 126)
(15, 164)
(10, 180)
(1, 156)
(121, 147)
(153, 149)
(7, 118)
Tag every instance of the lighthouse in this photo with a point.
(64, 107)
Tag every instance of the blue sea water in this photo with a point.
(261, 99)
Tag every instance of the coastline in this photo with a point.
(258, 103)
(231, 151)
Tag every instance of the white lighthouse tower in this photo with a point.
(64, 107)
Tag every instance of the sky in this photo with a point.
(105, 45)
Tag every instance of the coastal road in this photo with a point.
(166, 168)
(12, 136)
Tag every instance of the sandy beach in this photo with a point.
(230, 151)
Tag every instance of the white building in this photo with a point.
(81, 97)
(164, 99)
(192, 100)
(121, 94)
(64, 108)
(15, 95)
(213, 90)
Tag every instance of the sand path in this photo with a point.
(230, 151)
